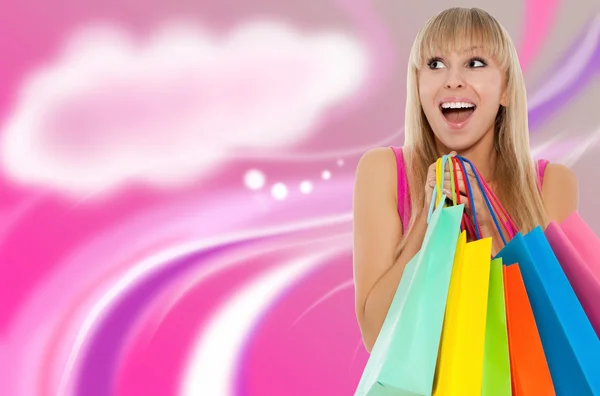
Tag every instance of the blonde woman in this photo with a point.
(465, 95)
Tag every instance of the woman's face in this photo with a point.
(460, 93)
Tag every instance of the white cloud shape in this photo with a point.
(164, 111)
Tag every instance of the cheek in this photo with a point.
(427, 90)
(488, 88)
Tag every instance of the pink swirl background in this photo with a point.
(176, 185)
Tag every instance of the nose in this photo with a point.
(454, 79)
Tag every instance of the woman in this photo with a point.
(465, 96)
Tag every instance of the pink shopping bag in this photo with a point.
(577, 249)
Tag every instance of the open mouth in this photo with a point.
(457, 114)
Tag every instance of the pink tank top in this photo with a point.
(404, 209)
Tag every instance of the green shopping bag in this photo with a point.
(403, 359)
(496, 360)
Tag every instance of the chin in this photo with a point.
(456, 142)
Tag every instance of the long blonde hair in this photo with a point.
(515, 170)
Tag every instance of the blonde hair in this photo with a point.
(460, 28)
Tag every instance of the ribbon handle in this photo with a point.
(437, 195)
(466, 223)
(485, 190)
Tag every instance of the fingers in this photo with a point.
(462, 189)
(459, 172)
(463, 199)
(447, 191)
(431, 174)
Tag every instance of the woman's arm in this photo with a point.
(560, 192)
(377, 233)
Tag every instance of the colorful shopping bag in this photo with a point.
(460, 365)
(461, 358)
(570, 344)
(496, 364)
(529, 372)
(583, 239)
(403, 359)
(578, 255)
(529, 369)
(496, 378)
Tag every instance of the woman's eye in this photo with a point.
(477, 63)
(436, 64)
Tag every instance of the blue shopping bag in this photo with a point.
(404, 356)
(571, 346)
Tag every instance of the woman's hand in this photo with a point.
(431, 181)
(482, 212)
(484, 218)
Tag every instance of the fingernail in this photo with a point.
(432, 183)
(448, 193)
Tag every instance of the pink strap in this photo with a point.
(499, 210)
(509, 224)
(403, 193)
(469, 196)
(466, 223)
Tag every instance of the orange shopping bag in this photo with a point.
(529, 369)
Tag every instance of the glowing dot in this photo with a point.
(306, 187)
(254, 179)
(279, 191)
(340, 162)
(326, 175)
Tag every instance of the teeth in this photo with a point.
(457, 105)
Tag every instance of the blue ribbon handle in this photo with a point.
(485, 198)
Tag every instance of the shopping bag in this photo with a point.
(585, 241)
(461, 357)
(583, 273)
(530, 374)
(496, 378)
(460, 365)
(570, 344)
(496, 364)
(403, 358)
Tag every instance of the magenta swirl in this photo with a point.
(199, 285)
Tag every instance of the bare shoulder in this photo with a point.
(560, 191)
(377, 168)
(376, 181)
(379, 158)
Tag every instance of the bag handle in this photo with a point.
(509, 224)
(467, 185)
(466, 223)
(484, 194)
(439, 182)
(507, 220)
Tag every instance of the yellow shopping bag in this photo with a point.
(460, 361)
(459, 369)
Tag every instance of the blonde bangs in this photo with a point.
(464, 30)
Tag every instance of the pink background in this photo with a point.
(176, 181)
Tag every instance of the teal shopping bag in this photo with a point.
(403, 359)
